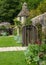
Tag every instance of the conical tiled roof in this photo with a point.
(24, 11)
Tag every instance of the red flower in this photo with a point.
(38, 42)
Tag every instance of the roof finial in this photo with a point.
(24, 11)
(24, 6)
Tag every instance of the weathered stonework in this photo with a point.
(41, 19)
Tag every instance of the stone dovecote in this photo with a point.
(24, 13)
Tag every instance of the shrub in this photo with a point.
(35, 54)
(4, 33)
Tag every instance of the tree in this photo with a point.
(9, 9)
(34, 13)
(32, 4)
(42, 6)
(39, 10)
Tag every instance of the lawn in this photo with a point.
(12, 58)
(8, 41)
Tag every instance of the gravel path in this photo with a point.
(3, 49)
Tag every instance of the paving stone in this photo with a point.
(3, 49)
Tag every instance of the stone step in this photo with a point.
(3, 49)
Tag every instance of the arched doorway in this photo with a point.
(29, 34)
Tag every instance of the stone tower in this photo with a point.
(24, 13)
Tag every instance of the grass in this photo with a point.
(6, 41)
(12, 58)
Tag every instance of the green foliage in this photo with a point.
(17, 23)
(42, 6)
(32, 4)
(3, 31)
(4, 34)
(35, 54)
(2, 27)
(34, 12)
(39, 26)
(14, 32)
(9, 9)
(28, 21)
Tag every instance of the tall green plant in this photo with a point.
(17, 25)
